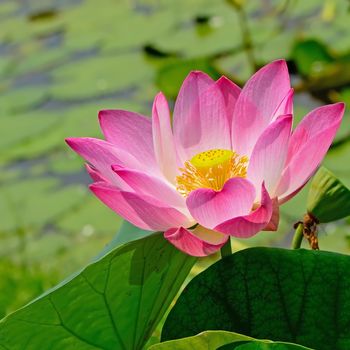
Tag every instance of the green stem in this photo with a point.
(226, 250)
(246, 38)
(298, 236)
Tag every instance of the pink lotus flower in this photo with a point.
(224, 167)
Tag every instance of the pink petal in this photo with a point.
(101, 155)
(275, 217)
(209, 207)
(269, 154)
(249, 225)
(308, 146)
(230, 91)
(318, 120)
(94, 174)
(290, 196)
(200, 118)
(256, 104)
(131, 132)
(190, 243)
(163, 139)
(152, 186)
(141, 210)
(286, 106)
(193, 86)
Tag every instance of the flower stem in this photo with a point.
(298, 236)
(226, 250)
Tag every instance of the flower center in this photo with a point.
(211, 169)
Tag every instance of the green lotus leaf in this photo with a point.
(113, 303)
(296, 296)
(329, 198)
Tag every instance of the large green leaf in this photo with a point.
(310, 56)
(296, 296)
(222, 340)
(204, 340)
(262, 345)
(127, 233)
(328, 199)
(114, 303)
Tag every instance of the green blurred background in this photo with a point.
(62, 61)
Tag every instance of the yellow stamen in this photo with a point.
(211, 169)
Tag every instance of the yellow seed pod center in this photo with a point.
(212, 158)
(211, 169)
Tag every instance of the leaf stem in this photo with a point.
(298, 236)
(247, 41)
(226, 250)
(246, 38)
